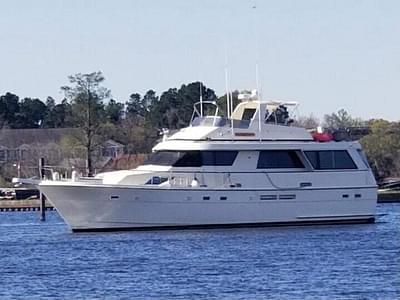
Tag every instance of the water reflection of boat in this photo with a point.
(249, 169)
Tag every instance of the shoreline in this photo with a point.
(387, 196)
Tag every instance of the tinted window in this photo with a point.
(325, 160)
(342, 160)
(163, 158)
(192, 158)
(218, 158)
(272, 159)
(189, 159)
(248, 113)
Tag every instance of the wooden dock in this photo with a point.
(388, 196)
(23, 205)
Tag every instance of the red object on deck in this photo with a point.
(322, 137)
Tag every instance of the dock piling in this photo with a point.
(42, 197)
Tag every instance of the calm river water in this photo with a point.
(46, 261)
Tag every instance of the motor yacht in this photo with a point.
(250, 168)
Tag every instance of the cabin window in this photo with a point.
(218, 158)
(192, 158)
(274, 159)
(163, 158)
(189, 159)
(327, 160)
(248, 113)
(157, 180)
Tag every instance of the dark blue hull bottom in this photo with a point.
(239, 225)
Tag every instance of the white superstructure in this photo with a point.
(226, 172)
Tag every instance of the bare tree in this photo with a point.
(86, 95)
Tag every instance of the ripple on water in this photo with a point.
(44, 260)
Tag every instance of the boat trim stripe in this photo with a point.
(334, 216)
(236, 189)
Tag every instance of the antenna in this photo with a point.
(227, 93)
(200, 88)
(230, 106)
(201, 99)
(229, 101)
(259, 102)
(254, 8)
(231, 97)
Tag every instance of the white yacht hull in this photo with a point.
(102, 208)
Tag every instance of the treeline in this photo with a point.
(172, 109)
(137, 121)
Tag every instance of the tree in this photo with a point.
(135, 107)
(382, 147)
(174, 108)
(135, 131)
(27, 113)
(59, 115)
(341, 119)
(31, 113)
(9, 109)
(86, 95)
(114, 111)
(309, 122)
(163, 112)
(150, 99)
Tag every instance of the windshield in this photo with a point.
(163, 158)
(209, 121)
(220, 122)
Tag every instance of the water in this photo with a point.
(46, 261)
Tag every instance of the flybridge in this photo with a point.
(251, 120)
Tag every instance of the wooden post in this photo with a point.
(42, 197)
(42, 207)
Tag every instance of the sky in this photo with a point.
(327, 55)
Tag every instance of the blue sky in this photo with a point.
(325, 54)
